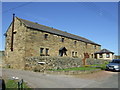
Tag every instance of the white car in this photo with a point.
(114, 65)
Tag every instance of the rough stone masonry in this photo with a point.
(34, 40)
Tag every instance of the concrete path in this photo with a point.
(40, 80)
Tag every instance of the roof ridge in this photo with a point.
(38, 23)
(104, 51)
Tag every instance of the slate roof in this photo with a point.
(44, 28)
(104, 51)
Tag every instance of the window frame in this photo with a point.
(86, 45)
(41, 50)
(75, 42)
(62, 39)
(47, 51)
(95, 46)
(76, 53)
(45, 36)
(107, 55)
(73, 53)
(100, 55)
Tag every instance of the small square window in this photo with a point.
(47, 51)
(86, 45)
(94, 46)
(73, 53)
(75, 42)
(100, 55)
(46, 36)
(41, 50)
(107, 55)
(62, 39)
(92, 55)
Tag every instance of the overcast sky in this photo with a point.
(96, 21)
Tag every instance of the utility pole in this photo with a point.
(12, 37)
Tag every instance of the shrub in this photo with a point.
(106, 62)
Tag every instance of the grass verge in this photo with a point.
(14, 84)
(84, 68)
(75, 68)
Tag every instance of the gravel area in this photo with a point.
(42, 80)
(97, 75)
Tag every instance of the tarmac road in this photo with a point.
(41, 80)
(109, 82)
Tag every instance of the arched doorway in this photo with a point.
(62, 51)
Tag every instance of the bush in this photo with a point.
(106, 62)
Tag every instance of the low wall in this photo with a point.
(95, 61)
(31, 63)
(51, 63)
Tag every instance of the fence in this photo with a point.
(20, 85)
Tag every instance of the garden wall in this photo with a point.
(44, 63)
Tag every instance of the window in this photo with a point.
(100, 55)
(75, 42)
(62, 39)
(92, 56)
(41, 50)
(73, 53)
(86, 45)
(107, 55)
(94, 46)
(46, 36)
(62, 51)
(47, 51)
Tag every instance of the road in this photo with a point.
(40, 80)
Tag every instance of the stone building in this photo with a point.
(104, 54)
(1, 58)
(33, 39)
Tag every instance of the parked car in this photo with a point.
(114, 65)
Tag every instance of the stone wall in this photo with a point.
(56, 63)
(1, 58)
(95, 61)
(14, 59)
(35, 40)
(51, 63)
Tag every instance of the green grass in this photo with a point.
(11, 84)
(14, 84)
(75, 68)
(85, 68)
(102, 66)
